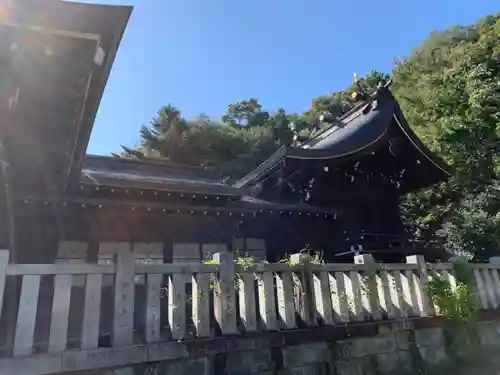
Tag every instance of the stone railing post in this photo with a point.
(495, 261)
(123, 317)
(370, 294)
(4, 261)
(458, 258)
(303, 293)
(480, 289)
(224, 294)
(423, 299)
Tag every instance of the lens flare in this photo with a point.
(4, 12)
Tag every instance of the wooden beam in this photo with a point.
(51, 31)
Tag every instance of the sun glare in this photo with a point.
(4, 12)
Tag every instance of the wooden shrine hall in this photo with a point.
(336, 192)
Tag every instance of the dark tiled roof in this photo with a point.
(152, 175)
(364, 129)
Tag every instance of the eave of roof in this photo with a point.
(283, 208)
(245, 205)
(103, 24)
(432, 157)
(117, 16)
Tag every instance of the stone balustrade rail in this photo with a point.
(189, 302)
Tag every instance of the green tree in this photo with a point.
(245, 113)
(202, 141)
(450, 92)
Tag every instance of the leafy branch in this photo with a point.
(456, 303)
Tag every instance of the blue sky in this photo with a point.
(202, 55)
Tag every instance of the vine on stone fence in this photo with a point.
(314, 257)
(244, 261)
(457, 305)
(311, 257)
(247, 261)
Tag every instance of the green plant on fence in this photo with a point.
(245, 262)
(311, 257)
(369, 278)
(155, 368)
(212, 276)
(456, 304)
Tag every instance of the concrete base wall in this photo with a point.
(394, 350)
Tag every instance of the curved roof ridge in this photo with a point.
(301, 152)
(365, 128)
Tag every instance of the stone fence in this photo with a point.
(226, 316)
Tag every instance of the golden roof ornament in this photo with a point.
(359, 92)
